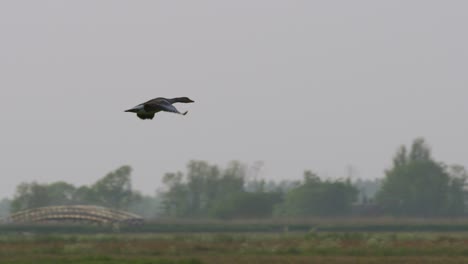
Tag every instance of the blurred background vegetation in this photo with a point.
(416, 185)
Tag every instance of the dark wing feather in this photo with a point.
(159, 100)
(160, 104)
(145, 116)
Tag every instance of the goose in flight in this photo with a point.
(148, 109)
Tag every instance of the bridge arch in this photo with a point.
(74, 213)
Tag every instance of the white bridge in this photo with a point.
(74, 214)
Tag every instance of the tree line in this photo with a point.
(113, 190)
(416, 185)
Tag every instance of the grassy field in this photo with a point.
(249, 226)
(244, 248)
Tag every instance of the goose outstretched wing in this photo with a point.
(161, 105)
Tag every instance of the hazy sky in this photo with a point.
(299, 85)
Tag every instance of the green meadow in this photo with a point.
(251, 247)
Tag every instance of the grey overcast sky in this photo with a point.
(299, 85)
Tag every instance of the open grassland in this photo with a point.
(248, 226)
(191, 248)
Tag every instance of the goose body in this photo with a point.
(148, 109)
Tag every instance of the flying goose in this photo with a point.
(148, 109)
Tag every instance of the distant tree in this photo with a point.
(30, 195)
(417, 185)
(246, 205)
(33, 195)
(202, 186)
(84, 195)
(283, 186)
(195, 193)
(260, 185)
(176, 199)
(368, 188)
(456, 194)
(60, 193)
(315, 197)
(149, 207)
(115, 189)
(233, 178)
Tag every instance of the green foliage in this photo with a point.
(30, 195)
(196, 193)
(61, 193)
(368, 188)
(329, 247)
(314, 227)
(207, 191)
(416, 185)
(113, 190)
(246, 205)
(419, 186)
(315, 197)
(149, 207)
